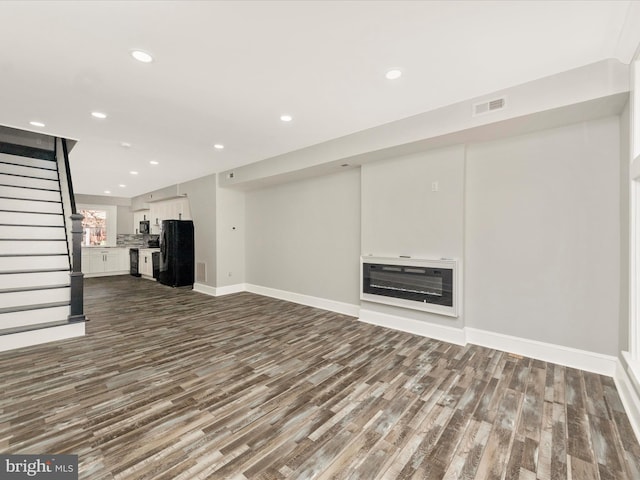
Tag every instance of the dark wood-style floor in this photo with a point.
(172, 384)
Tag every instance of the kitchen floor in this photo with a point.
(173, 384)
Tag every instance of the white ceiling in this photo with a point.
(224, 72)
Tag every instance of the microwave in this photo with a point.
(145, 226)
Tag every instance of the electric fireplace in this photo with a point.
(419, 284)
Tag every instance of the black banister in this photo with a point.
(76, 277)
(65, 152)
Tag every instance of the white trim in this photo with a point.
(548, 352)
(624, 380)
(417, 327)
(206, 289)
(229, 289)
(107, 274)
(219, 291)
(317, 302)
(37, 337)
(443, 264)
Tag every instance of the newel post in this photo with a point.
(77, 277)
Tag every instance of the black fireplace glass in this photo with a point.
(421, 284)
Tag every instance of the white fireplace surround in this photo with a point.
(443, 264)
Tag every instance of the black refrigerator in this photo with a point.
(176, 253)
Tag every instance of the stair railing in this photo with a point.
(74, 231)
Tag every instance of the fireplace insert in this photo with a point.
(412, 283)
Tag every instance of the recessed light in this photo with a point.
(107, 191)
(99, 115)
(218, 146)
(125, 145)
(393, 74)
(122, 185)
(153, 162)
(286, 118)
(37, 124)
(141, 56)
(133, 172)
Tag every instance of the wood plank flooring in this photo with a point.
(173, 384)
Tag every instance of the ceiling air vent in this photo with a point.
(489, 106)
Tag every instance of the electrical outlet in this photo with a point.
(435, 186)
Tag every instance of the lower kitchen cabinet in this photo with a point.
(105, 261)
(145, 262)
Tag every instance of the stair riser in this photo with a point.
(28, 161)
(32, 263)
(28, 171)
(38, 279)
(29, 193)
(21, 299)
(33, 317)
(21, 218)
(50, 233)
(34, 246)
(28, 182)
(37, 337)
(29, 206)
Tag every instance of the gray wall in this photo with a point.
(140, 202)
(403, 215)
(125, 216)
(304, 237)
(625, 257)
(230, 237)
(543, 236)
(201, 193)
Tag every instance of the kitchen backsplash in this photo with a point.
(135, 240)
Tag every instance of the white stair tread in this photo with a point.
(22, 218)
(12, 247)
(18, 181)
(29, 193)
(27, 161)
(28, 171)
(33, 317)
(30, 206)
(33, 279)
(32, 263)
(22, 299)
(53, 331)
(25, 232)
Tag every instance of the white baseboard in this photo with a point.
(219, 291)
(417, 327)
(323, 303)
(548, 352)
(625, 378)
(229, 289)
(37, 337)
(559, 354)
(106, 274)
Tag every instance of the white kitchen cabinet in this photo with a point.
(145, 262)
(170, 209)
(145, 267)
(105, 261)
(139, 216)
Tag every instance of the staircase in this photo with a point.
(36, 272)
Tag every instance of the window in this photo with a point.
(94, 227)
(99, 224)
